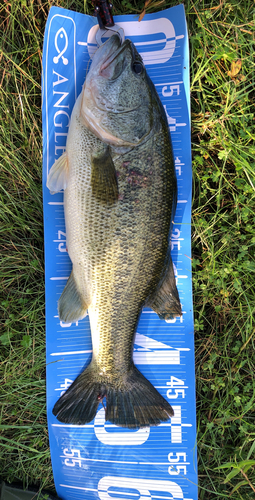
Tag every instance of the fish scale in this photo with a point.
(120, 191)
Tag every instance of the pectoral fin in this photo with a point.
(103, 177)
(165, 300)
(57, 178)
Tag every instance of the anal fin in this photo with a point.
(57, 178)
(71, 305)
(165, 300)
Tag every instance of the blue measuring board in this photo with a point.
(100, 460)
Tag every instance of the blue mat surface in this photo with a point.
(100, 460)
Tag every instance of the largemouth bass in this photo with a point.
(120, 193)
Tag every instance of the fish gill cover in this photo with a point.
(100, 460)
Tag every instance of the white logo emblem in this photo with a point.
(61, 33)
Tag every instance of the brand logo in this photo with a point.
(61, 37)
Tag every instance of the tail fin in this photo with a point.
(133, 402)
(138, 404)
(79, 403)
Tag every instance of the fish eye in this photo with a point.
(137, 67)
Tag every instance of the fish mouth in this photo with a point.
(109, 60)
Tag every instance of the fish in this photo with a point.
(120, 193)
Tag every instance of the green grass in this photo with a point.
(221, 42)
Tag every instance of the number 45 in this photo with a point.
(176, 385)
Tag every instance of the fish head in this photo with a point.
(118, 97)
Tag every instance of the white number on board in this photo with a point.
(118, 438)
(73, 457)
(169, 93)
(147, 488)
(175, 470)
